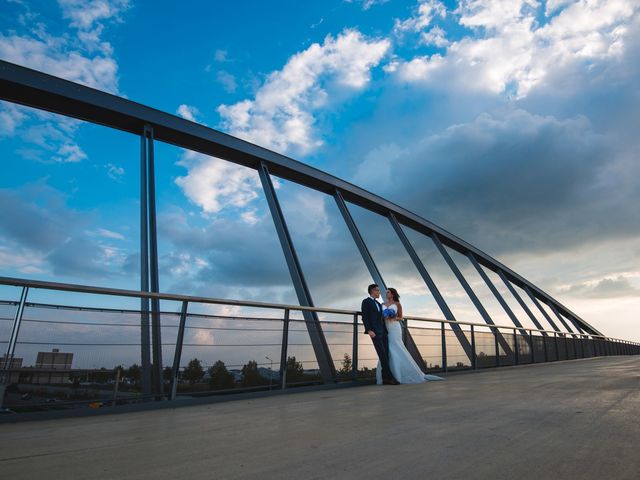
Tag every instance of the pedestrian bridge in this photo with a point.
(561, 420)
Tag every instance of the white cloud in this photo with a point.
(212, 183)
(220, 56)
(188, 112)
(85, 14)
(11, 117)
(511, 53)
(69, 153)
(58, 56)
(280, 116)
(367, 4)
(436, 36)
(110, 234)
(81, 56)
(114, 172)
(227, 80)
(427, 10)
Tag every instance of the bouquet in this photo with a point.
(389, 313)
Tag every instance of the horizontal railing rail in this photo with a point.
(70, 287)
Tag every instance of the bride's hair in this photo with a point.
(394, 294)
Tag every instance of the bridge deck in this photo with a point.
(576, 419)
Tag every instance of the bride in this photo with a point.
(401, 364)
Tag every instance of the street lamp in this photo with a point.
(270, 371)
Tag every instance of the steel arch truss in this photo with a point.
(41, 91)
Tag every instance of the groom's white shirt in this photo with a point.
(377, 302)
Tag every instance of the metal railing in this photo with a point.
(276, 335)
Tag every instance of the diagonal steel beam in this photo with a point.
(576, 324)
(373, 271)
(318, 340)
(544, 312)
(446, 311)
(496, 293)
(524, 306)
(555, 312)
(474, 298)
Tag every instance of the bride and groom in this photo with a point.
(382, 324)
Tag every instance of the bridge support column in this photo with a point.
(318, 341)
(149, 281)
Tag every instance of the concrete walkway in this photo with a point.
(566, 420)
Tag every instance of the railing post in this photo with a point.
(555, 342)
(516, 344)
(533, 355)
(354, 352)
(13, 339)
(497, 347)
(177, 354)
(566, 346)
(443, 339)
(283, 350)
(544, 347)
(474, 357)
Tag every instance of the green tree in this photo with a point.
(193, 372)
(134, 373)
(295, 372)
(251, 375)
(347, 365)
(220, 377)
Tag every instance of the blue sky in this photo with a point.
(510, 123)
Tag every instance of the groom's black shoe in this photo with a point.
(390, 381)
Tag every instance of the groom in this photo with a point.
(374, 326)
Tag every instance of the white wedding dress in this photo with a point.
(401, 364)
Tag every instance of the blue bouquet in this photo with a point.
(389, 313)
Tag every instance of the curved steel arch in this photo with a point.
(45, 92)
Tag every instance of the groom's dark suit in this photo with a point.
(374, 321)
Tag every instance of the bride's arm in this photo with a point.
(399, 316)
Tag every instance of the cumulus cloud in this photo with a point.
(512, 52)
(512, 180)
(227, 80)
(189, 112)
(426, 11)
(609, 287)
(82, 56)
(281, 116)
(212, 183)
(51, 238)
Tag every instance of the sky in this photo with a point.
(510, 123)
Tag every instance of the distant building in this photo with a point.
(52, 367)
(54, 360)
